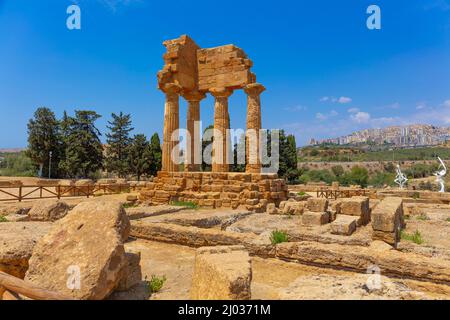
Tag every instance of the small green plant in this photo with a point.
(3, 219)
(448, 219)
(130, 205)
(416, 237)
(301, 193)
(416, 195)
(189, 204)
(278, 236)
(422, 217)
(156, 283)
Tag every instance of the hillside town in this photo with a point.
(399, 136)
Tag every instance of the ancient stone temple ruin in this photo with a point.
(192, 72)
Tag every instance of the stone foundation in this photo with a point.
(214, 189)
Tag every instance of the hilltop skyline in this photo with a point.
(326, 74)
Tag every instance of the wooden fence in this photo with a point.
(33, 192)
(337, 193)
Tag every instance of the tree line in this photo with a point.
(71, 147)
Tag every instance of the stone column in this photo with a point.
(194, 144)
(221, 145)
(252, 147)
(171, 123)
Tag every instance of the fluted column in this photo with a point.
(171, 123)
(221, 144)
(193, 143)
(253, 161)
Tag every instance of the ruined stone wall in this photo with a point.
(216, 190)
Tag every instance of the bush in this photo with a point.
(156, 283)
(416, 237)
(3, 219)
(357, 175)
(278, 237)
(382, 178)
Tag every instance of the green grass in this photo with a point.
(416, 237)
(448, 219)
(422, 217)
(156, 283)
(130, 205)
(278, 236)
(189, 204)
(416, 195)
(301, 193)
(3, 219)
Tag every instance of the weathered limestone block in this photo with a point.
(131, 273)
(357, 206)
(17, 240)
(271, 208)
(344, 225)
(387, 220)
(222, 273)
(317, 204)
(310, 218)
(48, 210)
(294, 207)
(90, 240)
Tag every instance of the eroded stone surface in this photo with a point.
(48, 210)
(17, 240)
(89, 239)
(222, 273)
(344, 225)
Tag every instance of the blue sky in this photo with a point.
(326, 74)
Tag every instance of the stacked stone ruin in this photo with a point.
(193, 72)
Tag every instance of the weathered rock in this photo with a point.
(17, 240)
(222, 273)
(357, 206)
(317, 204)
(131, 273)
(271, 208)
(315, 218)
(387, 220)
(90, 240)
(132, 198)
(344, 225)
(48, 210)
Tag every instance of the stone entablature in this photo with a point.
(192, 72)
(215, 190)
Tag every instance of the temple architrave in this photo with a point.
(192, 72)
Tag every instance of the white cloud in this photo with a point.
(353, 110)
(360, 117)
(322, 117)
(324, 99)
(344, 100)
(421, 105)
(447, 103)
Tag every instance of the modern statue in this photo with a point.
(400, 179)
(440, 174)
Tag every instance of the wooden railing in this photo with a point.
(345, 193)
(33, 192)
(11, 287)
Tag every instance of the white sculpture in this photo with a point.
(400, 179)
(440, 174)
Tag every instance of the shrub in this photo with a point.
(3, 219)
(301, 193)
(189, 204)
(278, 236)
(130, 205)
(416, 237)
(156, 283)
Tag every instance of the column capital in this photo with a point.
(254, 89)
(171, 88)
(220, 92)
(194, 96)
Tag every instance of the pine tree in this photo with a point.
(118, 140)
(139, 156)
(155, 155)
(84, 151)
(288, 157)
(44, 137)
